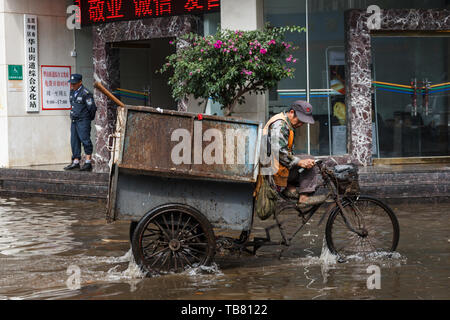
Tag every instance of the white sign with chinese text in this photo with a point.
(31, 63)
(55, 89)
(339, 140)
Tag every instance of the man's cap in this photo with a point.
(303, 111)
(75, 78)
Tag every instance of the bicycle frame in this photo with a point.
(285, 204)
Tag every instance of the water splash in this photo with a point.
(197, 270)
(326, 256)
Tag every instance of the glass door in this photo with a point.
(411, 81)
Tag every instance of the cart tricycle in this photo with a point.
(178, 176)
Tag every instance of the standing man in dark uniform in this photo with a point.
(81, 115)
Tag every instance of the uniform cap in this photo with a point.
(75, 78)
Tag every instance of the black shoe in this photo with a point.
(73, 166)
(86, 167)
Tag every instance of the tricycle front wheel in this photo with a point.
(172, 237)
(368, 225)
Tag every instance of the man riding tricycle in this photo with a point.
(189, 178)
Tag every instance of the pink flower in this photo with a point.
(289, 59)
(286, 45)
(250, 52)
(272, 42)
(190, 73)
(294, 61)
(218, 44)
(263, 51)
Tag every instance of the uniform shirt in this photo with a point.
(281, 129)
(82, 103)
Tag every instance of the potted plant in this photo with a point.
(228, 65)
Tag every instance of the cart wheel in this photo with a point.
(171, 238)
(133, 225)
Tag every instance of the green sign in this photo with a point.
(15, 72)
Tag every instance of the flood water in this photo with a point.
(44, 244)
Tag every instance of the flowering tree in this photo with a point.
(229, 64)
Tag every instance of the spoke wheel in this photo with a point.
(171, 238)
(375, 228)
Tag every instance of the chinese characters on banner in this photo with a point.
(31, 63)
(196, 4)
(99, 11)
(143, 8)
(55, 87)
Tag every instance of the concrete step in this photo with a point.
(416, 191)
(47, 175)
(414, 183)
(54, 184)
(405, 177)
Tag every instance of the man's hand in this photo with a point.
(307, 163)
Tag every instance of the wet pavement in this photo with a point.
(44, 245)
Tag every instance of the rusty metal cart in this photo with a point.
(177, 176)
(173, 207)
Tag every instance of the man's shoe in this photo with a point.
(73, 166)
(312, 201)
(86, 167)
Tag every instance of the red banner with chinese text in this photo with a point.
(103, 11)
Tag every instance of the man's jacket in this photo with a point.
(83, 104)
(281, 152)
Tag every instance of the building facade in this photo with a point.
(376, 72)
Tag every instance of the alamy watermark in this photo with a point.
(225, 147)
(74, 19)
(74, 280)
(374, 280)
(374, 21)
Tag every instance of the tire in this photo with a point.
(374, 220)
(133, 225)
(172, 237)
